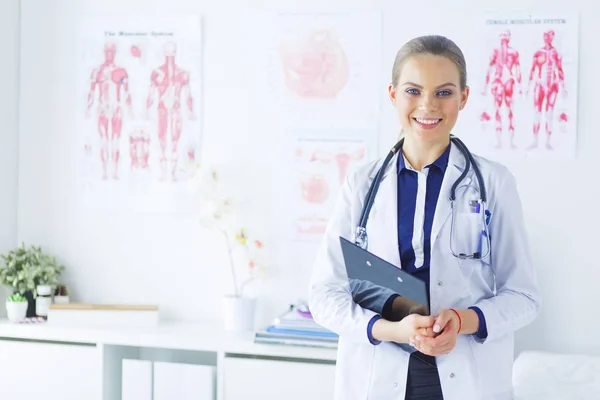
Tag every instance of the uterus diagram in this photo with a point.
(323, 171)
(314, 65)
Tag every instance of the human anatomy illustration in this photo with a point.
(528, 65)
(318, 68)
(139, 149)
(504, 77)
(109, 91)
(321, 166)
(548, 79)
(315, 65)
(139, 134)
(169, 87)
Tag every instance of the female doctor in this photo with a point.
(472, 252)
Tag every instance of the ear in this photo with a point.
(392, 92)
(464, 97)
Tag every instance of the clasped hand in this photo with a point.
(430, 335)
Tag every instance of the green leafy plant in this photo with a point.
(17, 298)
(24, 268)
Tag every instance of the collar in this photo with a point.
(455, 158)
(441, 162)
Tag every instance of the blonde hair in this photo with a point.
(432, 44)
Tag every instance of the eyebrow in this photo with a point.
(421, 87)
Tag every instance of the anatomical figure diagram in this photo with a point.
(111, 83)
(168, 85)
(139, 149)
(504, 72)
(315, 66)
(546, 75)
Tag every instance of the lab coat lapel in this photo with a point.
(456, 165)
(384, 216)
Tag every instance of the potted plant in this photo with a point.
(16, 307)
(27, 267)
(61, 294)
(239, 308)
(245, 252)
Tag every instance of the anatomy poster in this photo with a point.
(320, 167)
(138, 90)
(524, 89)
(319, 69)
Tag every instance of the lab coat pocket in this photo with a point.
(354, 373)
(494, 362)
(475, 363)
(388, 372)
(467, 234)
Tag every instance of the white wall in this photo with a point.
(106, 258)
(9, 87)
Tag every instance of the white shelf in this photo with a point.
(206, 336)
(190, 347)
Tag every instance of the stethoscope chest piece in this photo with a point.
(360, 237)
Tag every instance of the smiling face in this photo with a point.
(427, 97)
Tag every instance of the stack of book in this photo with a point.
(297, 327)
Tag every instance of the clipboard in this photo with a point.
(365, 266)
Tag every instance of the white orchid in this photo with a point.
(217, 212)
(254, 253)
(215, 205)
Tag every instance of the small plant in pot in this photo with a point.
(61, 294)
(16, 307)
(25, 268)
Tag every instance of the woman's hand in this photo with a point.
(402, 331)
(446, 328)
(415, 325)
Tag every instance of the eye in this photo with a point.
(412, 91)
(444, 93)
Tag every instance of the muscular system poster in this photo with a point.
(138, 124)
(524, 89)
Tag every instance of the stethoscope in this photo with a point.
(361, 238)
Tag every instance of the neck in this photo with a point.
(419, 154)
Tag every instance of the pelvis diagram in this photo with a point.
(322, 171)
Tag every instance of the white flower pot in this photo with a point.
(43, 300)
(16, 310)
(238, 313)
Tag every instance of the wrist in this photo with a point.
(469, 322)
(457, 320)
(385, 331)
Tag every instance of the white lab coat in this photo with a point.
(506, 291)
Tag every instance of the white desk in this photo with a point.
(83, 362)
